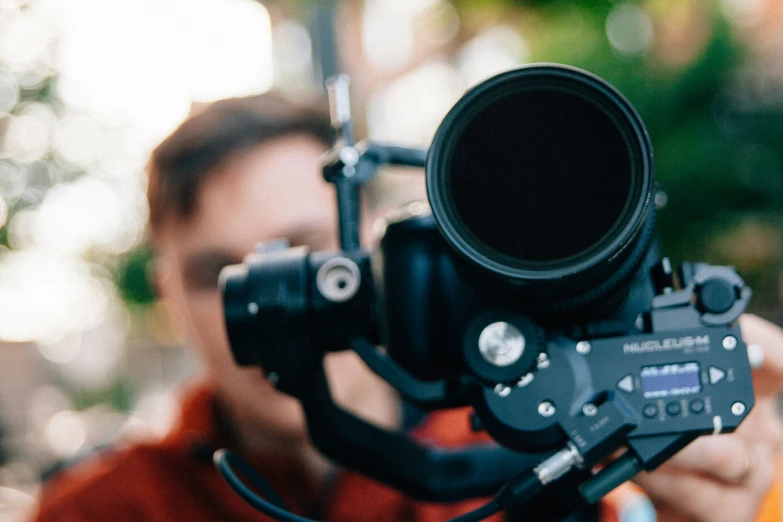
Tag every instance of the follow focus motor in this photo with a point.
(533, 293)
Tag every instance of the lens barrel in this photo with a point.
(241, 323)
(543, 178)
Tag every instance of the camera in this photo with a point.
(533, 292)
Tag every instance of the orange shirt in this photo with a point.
(175, 480)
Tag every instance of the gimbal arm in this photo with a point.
(398, 460)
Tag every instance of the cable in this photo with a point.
(274, 507)
(255, 479)
(226, 460)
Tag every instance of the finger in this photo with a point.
(763, 425)
(768, 379)
(707, 500)
(722, 457)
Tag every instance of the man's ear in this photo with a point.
(156, 273)
(162, 278)
(169, 321)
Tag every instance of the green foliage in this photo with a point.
(132, 277)
(117, 395)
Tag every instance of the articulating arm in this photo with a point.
(398, 460)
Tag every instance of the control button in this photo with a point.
(626, 384)
(696, 406)
(716, 295)
(673, 409)
(650, 411)
(716, 375)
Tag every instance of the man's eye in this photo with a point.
(204, 279)
(200, 271)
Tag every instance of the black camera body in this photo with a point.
(670, 354)
(533, 293)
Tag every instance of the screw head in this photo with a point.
(338, 279)
(502, 390)
(737, 408)
(583, 347)
(501, 343)
(639, 322)
(525, 380)
(729, 342)
(349, 156)
(589, 409)
(546, 409)
(252, 308)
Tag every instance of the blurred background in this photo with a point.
(88, 87)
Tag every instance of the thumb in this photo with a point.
(768, 378)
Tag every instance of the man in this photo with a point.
(247, 170)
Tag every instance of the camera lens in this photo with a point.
(551, 180)
(239, 314)
(540, 175)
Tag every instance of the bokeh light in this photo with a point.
(76, 216)
(388, 32)
(26, 138)
(153, 415)
(410, 108)
(629, 29)
(440, 23)
(744, 12)
(12, 181)
(27, 43)
(14, 504)
(64, 350)
(293, 53)
(65, 433)
(9, 93)
(148, 69)
(45, 297)
(79, 139)
(495, 50)
(43, 404)
(97, 362)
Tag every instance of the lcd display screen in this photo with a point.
(671, 380)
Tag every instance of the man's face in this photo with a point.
(272, 191)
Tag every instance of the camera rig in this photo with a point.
(533, 293)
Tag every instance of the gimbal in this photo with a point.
(533, 293)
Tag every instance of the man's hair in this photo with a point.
(182, 163)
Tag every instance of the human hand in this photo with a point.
(725, 478)
(768, 378)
